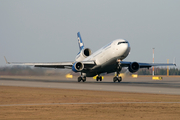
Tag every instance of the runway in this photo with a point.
(169, 85)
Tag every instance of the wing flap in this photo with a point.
(146, 65)
(67, 65)
(47, 65)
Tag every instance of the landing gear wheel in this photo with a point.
(79, 79)
(115, 79)
(99, 78)
(120, 79)
(84, 79)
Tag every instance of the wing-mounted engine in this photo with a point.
(77, 67)
(84, 53)
(133, 67)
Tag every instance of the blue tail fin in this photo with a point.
(80, 42)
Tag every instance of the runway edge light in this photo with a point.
(69, 76)
(157, 78)
(134, 75)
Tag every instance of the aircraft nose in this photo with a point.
(124, 49)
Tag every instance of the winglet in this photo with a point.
(80, 42)
(6, 60)
(174, 61)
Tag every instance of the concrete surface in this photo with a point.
(169, 85)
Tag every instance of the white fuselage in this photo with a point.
(118, 49)
(106, 57)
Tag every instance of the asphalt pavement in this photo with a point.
(168, 85)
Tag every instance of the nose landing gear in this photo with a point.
(116, 78)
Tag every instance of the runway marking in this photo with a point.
(93, 103)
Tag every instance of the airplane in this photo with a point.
(107, 59)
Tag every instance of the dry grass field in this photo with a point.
(26, 103)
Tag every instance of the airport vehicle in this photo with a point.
(107, 59)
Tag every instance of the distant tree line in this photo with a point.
(20, 70)
(26, 70)
(159, 71)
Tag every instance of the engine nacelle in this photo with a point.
(77, 67)
(133, 67)
(83, 54)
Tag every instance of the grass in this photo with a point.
(126, 111)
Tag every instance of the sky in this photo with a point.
(46, 30)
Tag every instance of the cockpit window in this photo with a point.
(122, 42)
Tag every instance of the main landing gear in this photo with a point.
(99, 78)
(83, 79)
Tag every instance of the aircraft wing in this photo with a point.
(67, 65)
(148, 65)
(145, 65)
(47, 65)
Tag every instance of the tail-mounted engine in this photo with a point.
(83, 54)
(133, 67)
(77, 67)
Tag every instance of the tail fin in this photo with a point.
(80, 42)
(6, 60)
(174, 61)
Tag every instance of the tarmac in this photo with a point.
(168, 85)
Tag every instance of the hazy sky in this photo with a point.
(46, 30)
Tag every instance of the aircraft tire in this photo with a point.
(120, 79)
(84, 79)
(79, 79)
(115, 79)
(100, 78)
(97, 78)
